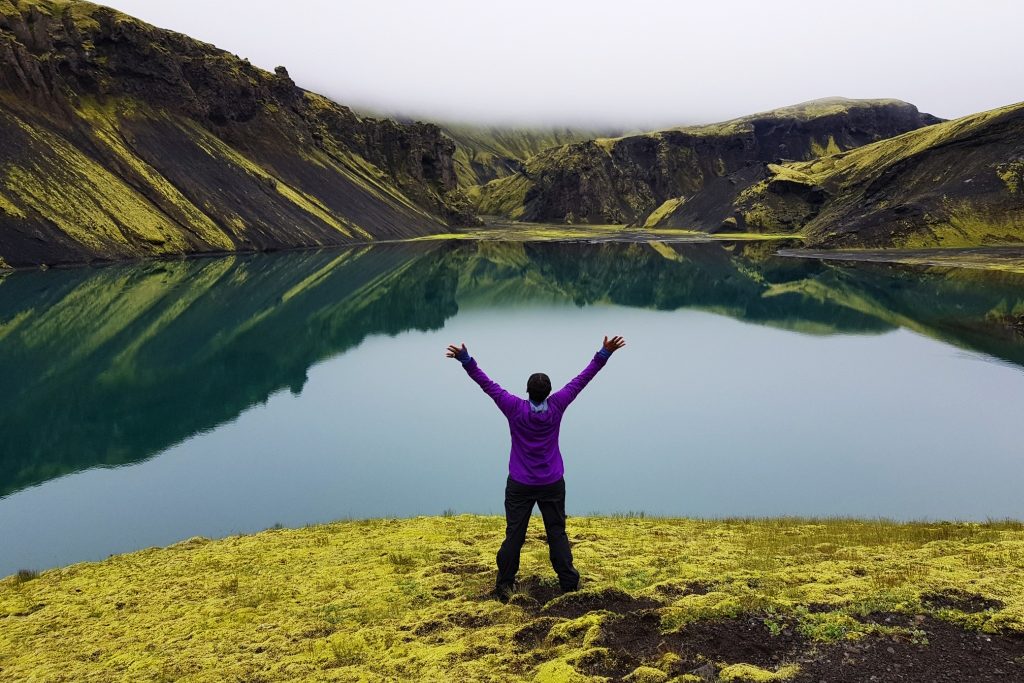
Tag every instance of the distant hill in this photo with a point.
(958, 183)
(624, 180)
(483, 153)
(122, 140)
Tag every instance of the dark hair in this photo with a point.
(538, 387)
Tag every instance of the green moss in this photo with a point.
(668, 207)
(830, 147)
(755, 674)
(81, 13)
(105, 120)
(379, 600)
(503, 197)
(560, 671)
(218, 148)
(646, 674)
(1012, 175)
(483, 153)
(10, 208)
(964, 224)
(86, 201)
(832, 626)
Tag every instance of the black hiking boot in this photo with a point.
(503, 592)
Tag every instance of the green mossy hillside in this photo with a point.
(406, 600)
(958, 183)
(623, 180)
(122, 140)
(483, 153)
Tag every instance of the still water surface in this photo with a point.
(145, 404)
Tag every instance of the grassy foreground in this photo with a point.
(406, 599)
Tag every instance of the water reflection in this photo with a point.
(111, 366)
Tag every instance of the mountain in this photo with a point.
(122, 140)
(624, 180)
(957, 183)
(483, 153)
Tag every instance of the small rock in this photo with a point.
(706, 672)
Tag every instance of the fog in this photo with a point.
(629, 64)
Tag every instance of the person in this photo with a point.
(535, 463)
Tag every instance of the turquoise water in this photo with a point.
(149, 403)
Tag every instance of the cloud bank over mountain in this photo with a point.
(643, 63)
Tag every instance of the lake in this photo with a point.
(144, 404)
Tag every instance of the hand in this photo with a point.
(614, 344)
(459, 354)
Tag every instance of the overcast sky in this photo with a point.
(630, 63)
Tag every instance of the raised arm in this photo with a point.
(505, 401)
(567, 394)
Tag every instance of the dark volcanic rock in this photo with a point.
(956, 184)
(623, 180)
(945, 654)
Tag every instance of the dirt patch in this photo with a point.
(677, 590)
(576, 604)
(635, 638)
(630, 640)
(426, 628)
(960, 600)
(745, 639)
(929, 651)
(534, 633)
(636, 633)
(471, 619)
(951, 655)
(541, 591)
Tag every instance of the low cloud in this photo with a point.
(632, 64)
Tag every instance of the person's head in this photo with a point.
(538, 387)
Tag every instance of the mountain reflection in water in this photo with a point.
(109, 366)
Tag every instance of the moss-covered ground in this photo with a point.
(395, 600)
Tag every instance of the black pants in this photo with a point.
(519, 500)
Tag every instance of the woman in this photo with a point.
(535, 463)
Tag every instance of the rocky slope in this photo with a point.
(483, 153)
(123, 140)
(624, 180)
(958, 183)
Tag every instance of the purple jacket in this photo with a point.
(535, 459)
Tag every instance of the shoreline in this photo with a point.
(406, 599)
(1004, 258)
(1008, 258)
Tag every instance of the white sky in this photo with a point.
(634, 63)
